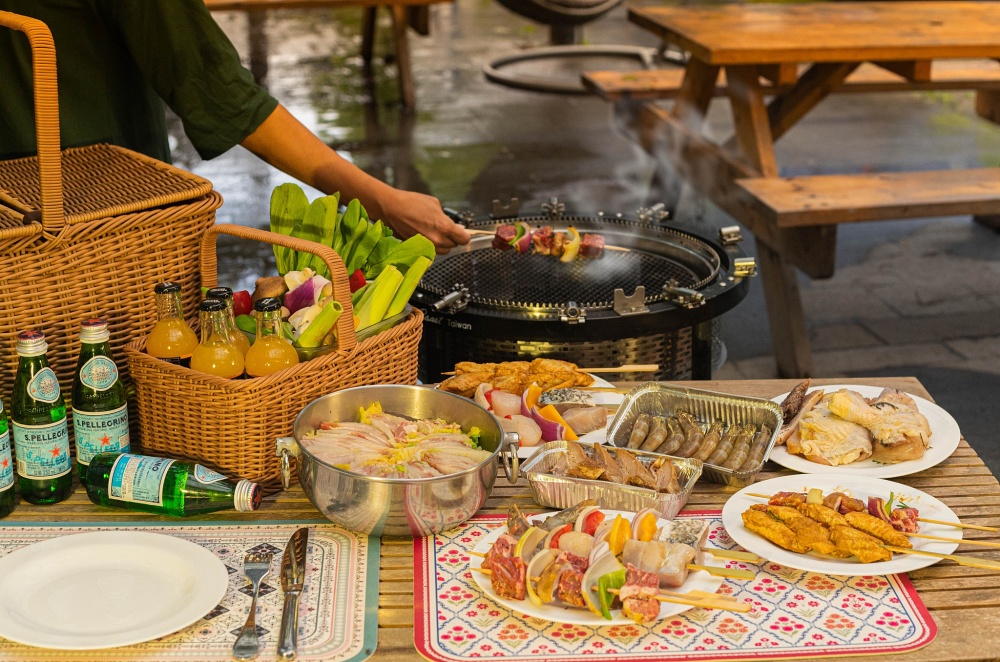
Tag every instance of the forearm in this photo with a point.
(289, 146)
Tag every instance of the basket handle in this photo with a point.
(346, 340)
(43, 66)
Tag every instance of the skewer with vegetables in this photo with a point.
(583, 557)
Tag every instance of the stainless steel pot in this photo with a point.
(397, 506)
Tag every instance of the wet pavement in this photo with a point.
(915, 298)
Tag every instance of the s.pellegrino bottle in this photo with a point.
(38, 416)
(100, 412)
(7, 498)
(161, 485)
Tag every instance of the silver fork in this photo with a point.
(255, 567)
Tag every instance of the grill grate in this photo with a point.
(655, 255)
(529, 280)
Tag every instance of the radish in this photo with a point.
(527, 430)
(480, 396)
(505, 404)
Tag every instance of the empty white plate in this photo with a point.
(106, 589)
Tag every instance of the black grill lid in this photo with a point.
(652, 257)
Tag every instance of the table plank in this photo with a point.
(784, 33)
(963, 601)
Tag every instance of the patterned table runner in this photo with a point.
(795, 614)
(338, 616)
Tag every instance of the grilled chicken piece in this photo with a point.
(901, 433)
(878, 528)
(821, 514)
(789, 431)
(867, 548)
(666, 477)
(635, 472)
(612, 472)
(809, 532)
(792, 403)
(826, 438)
(764, 525)
(580, 464)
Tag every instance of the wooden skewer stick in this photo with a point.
(704, 603)
(961, 541)
(629, 367)
(969, 561)
(926, 520)
(749, 557)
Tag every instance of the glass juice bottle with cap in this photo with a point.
(7, 498)
(161, 485)
(216, 355)
(171, 339)
(225, 294)
(270, 351)
(38, 415)
(100, 412)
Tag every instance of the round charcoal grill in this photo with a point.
(650, 298)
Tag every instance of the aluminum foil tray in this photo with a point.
(564, 491)
(706, 406)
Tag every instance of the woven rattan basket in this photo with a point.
(88, 232)
(232, 424)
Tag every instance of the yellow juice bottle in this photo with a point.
(225, 294)
(171, 339)
(270, 352)
(216, 355)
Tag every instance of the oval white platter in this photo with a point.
(696, 580)
(859, 487)
(945, 436)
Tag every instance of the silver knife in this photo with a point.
(293, 572)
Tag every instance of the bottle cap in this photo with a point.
(167, 287)
(212, 305)
(93, 331)
(31, 343)
(219, 293)
(246, 498)
(267, 305)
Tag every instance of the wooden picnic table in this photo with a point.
(797, 54)
(963, 601)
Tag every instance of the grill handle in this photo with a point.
(508, 456)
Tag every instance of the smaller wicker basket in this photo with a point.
(232, 424)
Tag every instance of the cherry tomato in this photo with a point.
(242, 304)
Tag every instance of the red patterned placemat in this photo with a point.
(795, 614)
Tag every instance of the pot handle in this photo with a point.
(508, 456)
(286, 448)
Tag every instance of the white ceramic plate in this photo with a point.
(698, 580)
(944, 440)
(599, 436)
(859, 487)
(106, 589)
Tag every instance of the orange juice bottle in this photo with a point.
(216, 355)
(225, 294)
(270, 352)
(171, 339)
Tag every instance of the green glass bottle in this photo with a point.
(38, 415)
(100, 412)
(160, 485)
(7, 498)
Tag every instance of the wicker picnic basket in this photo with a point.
(88, 232)
(232, 424)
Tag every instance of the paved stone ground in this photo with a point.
(909, 298)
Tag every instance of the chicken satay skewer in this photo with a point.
(926, 520)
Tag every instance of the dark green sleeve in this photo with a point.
(195, 69)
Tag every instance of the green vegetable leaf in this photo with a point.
(403, 255)
(329, 229)
(321, 213)
(363, 248)
(288, 208)
(888, 504)
(378, 255)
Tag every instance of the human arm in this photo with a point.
(288, 145)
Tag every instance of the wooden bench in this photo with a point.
(405, 13)
(653, 84)
(825, 199)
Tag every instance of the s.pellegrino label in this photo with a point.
(99, 373)
(42, 450)
(43, 387)
(206, 476)
(138, 479)
(6, 462)
(100, 432)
